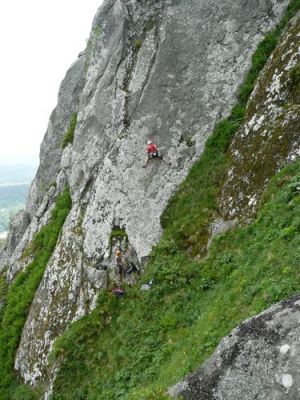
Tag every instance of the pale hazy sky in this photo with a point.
(39, 40)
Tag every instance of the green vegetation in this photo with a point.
(149, 25)
(97, 32)
(19, 298)
(264, 50)
(197, 198)
(295, 74)
(3, 292)
(137, 44)
(137, 346)
(117, 233)
(69, 135)
(94, 37)
(295, 78)
(91, 45)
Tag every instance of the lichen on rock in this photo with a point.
(269, 138)
(162, 70)
(258, 360)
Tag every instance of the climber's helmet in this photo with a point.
(149, 142)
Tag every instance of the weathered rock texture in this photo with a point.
(258, 360)
(163, 70)
(270, 137)
(17, 229)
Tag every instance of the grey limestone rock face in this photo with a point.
(62, 296)
(50, 174)
(51, 149)
(22, 232)
(169, 84)
(258, 360)
(17, 229)
(160, 70)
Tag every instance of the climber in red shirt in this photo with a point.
(152, 151)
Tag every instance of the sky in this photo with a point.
(39, 40)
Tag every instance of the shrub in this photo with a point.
(117, 233)
(137, 44)
(69, 135)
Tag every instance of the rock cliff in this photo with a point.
(270, 137)
(258, 360)
(160, 70)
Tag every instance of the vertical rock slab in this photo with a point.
(50, 178)
(160, 70)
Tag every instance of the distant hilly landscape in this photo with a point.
(14, 185)
(16, 174)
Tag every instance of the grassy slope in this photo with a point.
(18, 298)
(128, 344)
(135, 347)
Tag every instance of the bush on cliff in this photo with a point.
(69, 135)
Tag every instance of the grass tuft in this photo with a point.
(69, 135)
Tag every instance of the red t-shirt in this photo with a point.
(151, 148)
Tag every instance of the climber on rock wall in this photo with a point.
(152, 152)
(120, 264)
(130, 265)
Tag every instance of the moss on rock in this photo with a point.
(269, 138)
